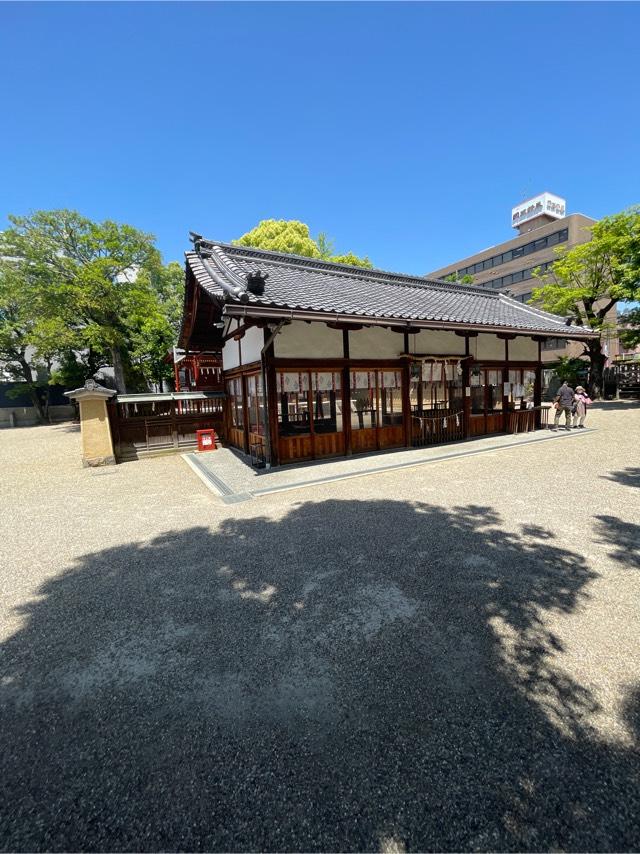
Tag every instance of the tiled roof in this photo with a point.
(295, 283)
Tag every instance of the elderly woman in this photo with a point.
(580, 403)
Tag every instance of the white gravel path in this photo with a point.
(442, 658)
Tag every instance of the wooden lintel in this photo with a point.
(451, 356)
(345, 327)
(506, 336)
(541, 337)
(409, 330)
(466, 334)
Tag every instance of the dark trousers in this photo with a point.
(567, 413)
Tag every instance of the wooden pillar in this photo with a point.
(466, 388)
(271, 402)
(346, 395)
(537, 388)
(466, 393)
(406, 402)
(174, 424)
(245, 414)
(505, 380)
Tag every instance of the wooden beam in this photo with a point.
(345, 327)
(405, 330)
(439, 356)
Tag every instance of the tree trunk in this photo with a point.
(597, 361)
(118, 370)
(37, 404)
(33, 391)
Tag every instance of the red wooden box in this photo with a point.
(206, 440)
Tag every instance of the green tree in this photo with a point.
(325, 246)
(457, 279)
(629, 327)
(281, 235)
(294, 238)
(586, 282)
(353, 260)
(85, 279)
(18, 296)
(154, 318)
(569, 369)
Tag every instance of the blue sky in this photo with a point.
(406, 131)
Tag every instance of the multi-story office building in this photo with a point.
(543, 227)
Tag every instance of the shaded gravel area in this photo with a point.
(443, 658)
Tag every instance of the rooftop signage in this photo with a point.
(545, 204)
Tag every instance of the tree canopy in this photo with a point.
(86, 294)
(457, 279)
(590, 279)
(294, 238)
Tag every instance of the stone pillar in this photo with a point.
(97, 442)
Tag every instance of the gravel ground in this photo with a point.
(442, 658)
(241, 478)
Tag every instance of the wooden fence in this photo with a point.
(526, 420)
(446, 426)
(147, 424)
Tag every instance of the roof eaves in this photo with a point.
(300, 313)
(552, 318)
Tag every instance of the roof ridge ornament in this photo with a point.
(225, 265)
(236, 291)
(256, 281)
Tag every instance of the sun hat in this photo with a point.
(579, 388)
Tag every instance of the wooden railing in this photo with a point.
(153, 424)
(526, 420)
(433, 429)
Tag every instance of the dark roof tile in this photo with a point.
(308, 284)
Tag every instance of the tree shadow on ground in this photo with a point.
(623, 537)
(627, 477)
(355, 675)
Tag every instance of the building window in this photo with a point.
(518, 276)
(255, 404)
(527, 249)
(293, 403)
(390, 389)
(521, 387)
(376, 399)
(327, 401)
(234, 392)
(364, 400)
(486, 391)
(436, 388)
(554, 343)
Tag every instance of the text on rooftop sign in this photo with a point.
(546, 203)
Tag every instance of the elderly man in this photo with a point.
(564, 403)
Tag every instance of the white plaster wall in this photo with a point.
(523, 349)
(375, 343)
(487, 346)
(230, 351)
(308, 341)
(436, 342)
(251, 345)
